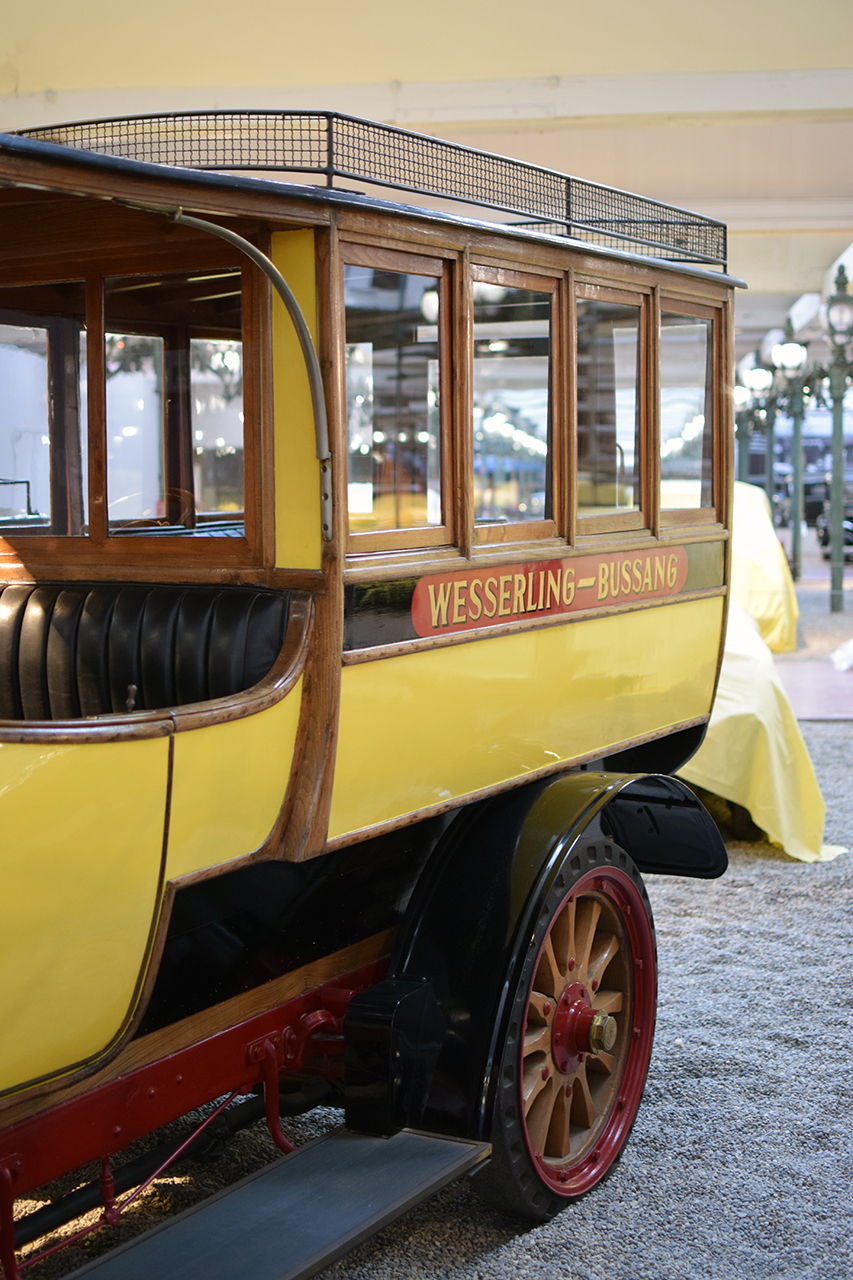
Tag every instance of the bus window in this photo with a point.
(174, 403)
(512, 405)
(609, 466)
(686, 412)
(394, 402)
(42, 408)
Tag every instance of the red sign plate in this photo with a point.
(473, 598)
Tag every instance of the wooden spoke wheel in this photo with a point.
(579, 1038)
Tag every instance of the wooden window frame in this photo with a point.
(170, 558)
(484, 534)
(673, 517)
(65, 479)
(412, 261)
(629, 521)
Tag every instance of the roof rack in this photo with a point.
(343, 146)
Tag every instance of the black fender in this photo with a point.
(469, 924)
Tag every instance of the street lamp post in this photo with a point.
(756, 412)
(839, 329)
(789, 357)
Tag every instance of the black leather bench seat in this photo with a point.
(73, 649)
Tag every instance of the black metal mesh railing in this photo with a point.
(340, 146)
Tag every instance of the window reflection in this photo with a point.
(512, 345)
(136, 481)
(608, 378)
(393, 399)
(216, 384)
(686, 413)
(174, 395)
(42, 408)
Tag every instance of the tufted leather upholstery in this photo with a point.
(72, 649)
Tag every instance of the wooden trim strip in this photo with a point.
(653, 423)
(449, 560)
(14, 569)
(461, 481)
(459, 802)
(688, 515)
(186, 552)
(375, 255)
(112, 728)
(614, 521)
(512, 278)
(354, 657)
(629, 292)
(569, 316)
(519, 530)
(96, 412)
(302, 825)
(674, 305)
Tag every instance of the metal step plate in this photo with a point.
(298, 1215)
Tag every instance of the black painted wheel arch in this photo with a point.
(473, 914)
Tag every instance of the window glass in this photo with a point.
(216, 381)
(174, 396)
(686, 413)
(512, 347)
(393, 399)
(135, 474)
(608, 380)
(42, 408)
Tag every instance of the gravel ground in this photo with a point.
(740, 1162)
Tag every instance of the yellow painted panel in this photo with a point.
(298, 539)
(423, 728)
(228, 784)
(81, 849)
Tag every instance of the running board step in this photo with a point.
(291, 1219)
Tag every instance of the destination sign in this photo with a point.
(474, 598)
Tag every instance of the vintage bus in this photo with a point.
(363, 574)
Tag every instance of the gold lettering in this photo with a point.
(614, 578)
(660, 568)
(626, 577)
(491, 583)
(553, 588)
(647, 576)
(459, 603)
(541, 588)
(438, 607)
(638, 576)
(672, 574)
(530, 578)
(506, 588)
(475, 600)
(518, 594)
(568, 587)
(602, 581)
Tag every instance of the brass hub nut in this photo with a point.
(602, 1033)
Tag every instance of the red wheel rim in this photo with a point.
(578, 1105)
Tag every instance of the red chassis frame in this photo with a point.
(103, 1122)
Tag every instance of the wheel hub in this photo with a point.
(578, 1029)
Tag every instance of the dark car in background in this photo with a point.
(822, 522)
(815, 492)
